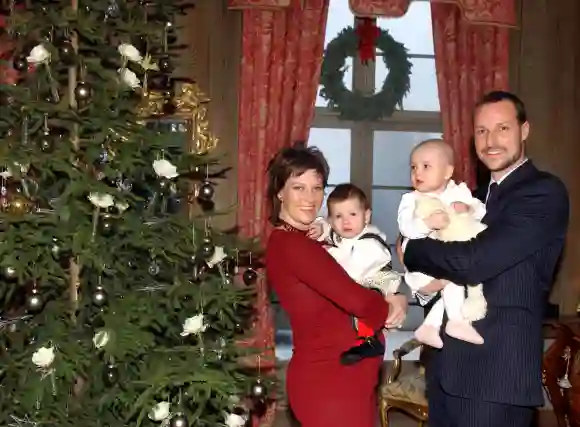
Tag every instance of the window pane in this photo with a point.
(385, 207)
(335, 145)
(391, 152)
(423, 95)
(347, 79)
(414, 29)
(339, 17)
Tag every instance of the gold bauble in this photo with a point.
(19, 205)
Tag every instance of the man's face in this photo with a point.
(499, 137)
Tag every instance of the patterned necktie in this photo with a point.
(491, 194)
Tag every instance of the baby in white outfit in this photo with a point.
(431, 170)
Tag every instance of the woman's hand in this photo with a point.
(397, 310)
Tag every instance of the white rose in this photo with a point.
(130, 52)
(218, 256)
(43, 357)
(129, 78)
(160, 411)
(122, 206)
(38, 54)
(101, 200)
(235, 420)
(165, 169)
(193, 325)
(101, 339)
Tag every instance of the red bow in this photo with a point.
(368, 33)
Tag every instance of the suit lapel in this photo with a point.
(521, 174)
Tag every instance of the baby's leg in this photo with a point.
(428, 332)
(453, 297)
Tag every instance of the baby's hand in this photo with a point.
(315, 231)
(460, 207)
(437, 220)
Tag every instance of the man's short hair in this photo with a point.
(500, 95)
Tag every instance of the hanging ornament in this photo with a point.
(178, 420)
(46, 143)
(207, 248)
(100, 297)
(9, 273)
(206, 191)
(107, 225)
(258, 390)
(165, 186)
(83, 92)
(164, 64)
(34, 301)
(66, 52)
(55, 248)
(19, 205)
(110, 375)
(20, 63)
(250, 276)
(154, 268)
(564, 382)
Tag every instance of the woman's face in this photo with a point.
(301, 198)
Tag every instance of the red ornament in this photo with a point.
(368, 33)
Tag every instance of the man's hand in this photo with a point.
(397, 310)
(315, 231)
(437, 220)
(433, 286)
(460, 207)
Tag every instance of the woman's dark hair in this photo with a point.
(344, 192)
(292, 161)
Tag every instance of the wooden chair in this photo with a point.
(404, 393)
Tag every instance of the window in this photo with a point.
(375, 155)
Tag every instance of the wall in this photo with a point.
(546, 74)
(213, 36)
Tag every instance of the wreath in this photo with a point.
(354, 105)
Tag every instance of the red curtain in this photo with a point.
(470, 60)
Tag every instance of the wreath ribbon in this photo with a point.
(368, 33)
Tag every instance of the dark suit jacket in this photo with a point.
(515, 259)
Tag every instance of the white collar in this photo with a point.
(499, 181)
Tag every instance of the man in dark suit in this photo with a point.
(498, 384)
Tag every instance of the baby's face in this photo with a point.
(348, 218)
(430, 169)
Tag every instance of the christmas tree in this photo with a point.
(121, 305)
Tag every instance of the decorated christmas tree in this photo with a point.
(120, 303)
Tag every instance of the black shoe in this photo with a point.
(371, 347)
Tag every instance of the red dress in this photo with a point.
(320, 298)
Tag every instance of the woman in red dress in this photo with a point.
(320, 300)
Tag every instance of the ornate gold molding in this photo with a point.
(190, 105)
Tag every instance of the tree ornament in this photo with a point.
(46, 143)
(164, 64)
(110, 375)
(100, 297)
(19, 205)
(20, 63)
(55, 248)
(250, 276)
(258, 390)
(107, 225)
(83, 92)
(206, 191)
(154, 268)
(66, 52)
(165, 186)
(207, 248)
(34, 302)
(9, 273)
(178, 420)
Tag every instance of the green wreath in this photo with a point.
(354, 105)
